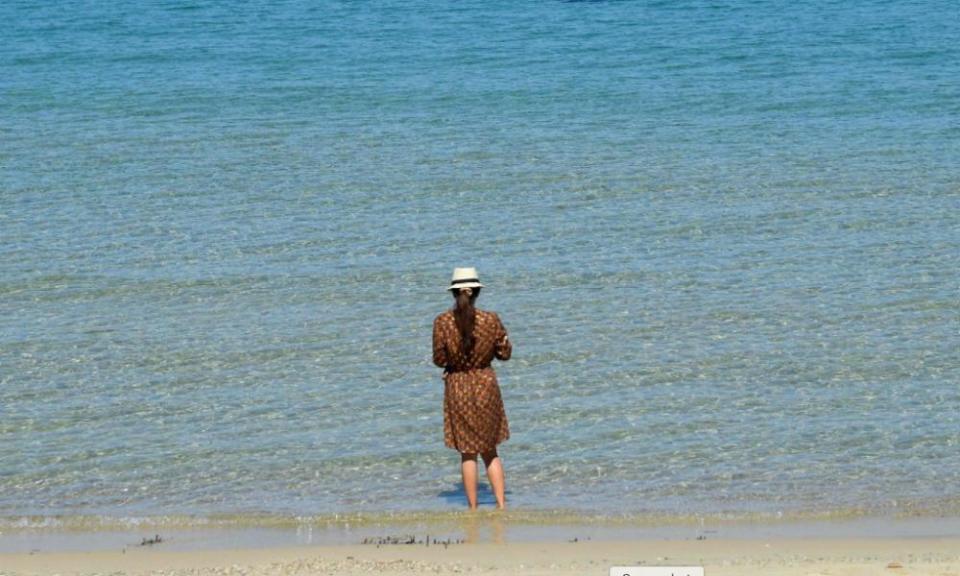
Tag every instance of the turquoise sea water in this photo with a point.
(724, 238)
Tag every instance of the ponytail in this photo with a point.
(465, 315)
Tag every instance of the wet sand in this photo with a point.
(795, 556)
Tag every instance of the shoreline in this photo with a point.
(756, 556)
(176, 534)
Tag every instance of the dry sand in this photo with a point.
(831, 557)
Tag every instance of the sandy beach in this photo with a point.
(835, 557)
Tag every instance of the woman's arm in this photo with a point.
(502, 348)
(439, 348)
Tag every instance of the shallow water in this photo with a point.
(724, 240)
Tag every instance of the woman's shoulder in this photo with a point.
(444, 316)
(488, 315)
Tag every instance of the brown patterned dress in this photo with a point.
(473, 417)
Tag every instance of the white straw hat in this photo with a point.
(464, 278)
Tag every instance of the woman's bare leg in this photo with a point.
(495, 474)
(468, 467)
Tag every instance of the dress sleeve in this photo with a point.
(439, 347)
(502, 348)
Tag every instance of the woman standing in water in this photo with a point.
(465, 342)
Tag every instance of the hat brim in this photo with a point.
(465, 285)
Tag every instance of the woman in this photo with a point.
(465, 341)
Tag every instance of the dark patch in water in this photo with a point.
(456, 495)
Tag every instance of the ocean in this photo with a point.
(723, 236)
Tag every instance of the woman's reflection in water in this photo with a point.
(473, 526)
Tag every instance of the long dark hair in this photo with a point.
(465, 315)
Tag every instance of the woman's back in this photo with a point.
(489, 342)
